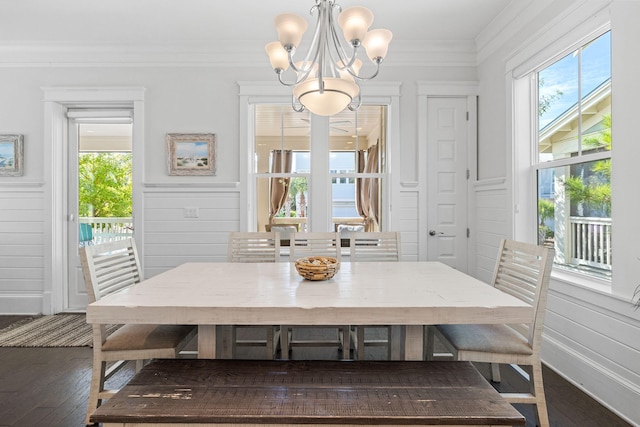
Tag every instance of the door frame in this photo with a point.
(57, 100)
(439, 89)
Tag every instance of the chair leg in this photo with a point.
(495, 372)
(97, 385)
(537, 389)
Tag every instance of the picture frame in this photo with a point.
(191, 153)
(11, 155)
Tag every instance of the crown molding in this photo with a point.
(247, 54)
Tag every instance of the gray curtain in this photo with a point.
(369, 192)
(281, 162)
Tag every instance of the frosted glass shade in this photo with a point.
(290, 29)
(337, 94)
(355, 22)
(376, 43)
(277, 56)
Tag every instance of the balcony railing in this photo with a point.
(591, 242)
(94, 231)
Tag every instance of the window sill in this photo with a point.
(599, 285)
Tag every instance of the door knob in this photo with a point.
(433, 232)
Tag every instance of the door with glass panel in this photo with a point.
(320, 173)
(100, 189)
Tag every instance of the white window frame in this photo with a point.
(254, 93)
(522, 85)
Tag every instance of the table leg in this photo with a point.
(413, 345)
(206, 341)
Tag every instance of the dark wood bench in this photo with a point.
(188, 392)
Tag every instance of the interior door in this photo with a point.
(105, 135)
(447, 176)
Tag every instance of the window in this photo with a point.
(301, 161)
(573, 162)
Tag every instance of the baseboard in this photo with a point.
(617, 394)
(20, 304)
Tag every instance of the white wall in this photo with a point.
(592, 335)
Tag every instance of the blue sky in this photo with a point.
(188, 149)
(6, 149)
(563, 76)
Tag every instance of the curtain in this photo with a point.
(369, 192)
(360, 165)
(281, 161)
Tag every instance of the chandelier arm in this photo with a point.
(356, 106)
(339, 48)
(372, 76)
(294, 104)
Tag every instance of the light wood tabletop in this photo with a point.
(411, 294)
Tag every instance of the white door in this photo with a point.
(94, 133)
(447, 178)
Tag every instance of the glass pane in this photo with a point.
(105, 186)
(283, 201)
(574, 215)
(352, 132)
(596, 95)
(357, 206)
(278, 127)
(558, 92)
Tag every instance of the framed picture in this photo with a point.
(191, 153)
(11, 154)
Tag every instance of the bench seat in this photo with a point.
(197, 392)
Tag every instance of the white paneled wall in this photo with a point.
(21, 249)
(593, 340)
(491, 225)
(173, 236)
(407, 221)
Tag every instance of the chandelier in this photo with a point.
(326, 81)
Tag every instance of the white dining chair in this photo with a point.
(255, 247)
(314, 244)
(374, 247)
(109, 268)
(522, 270)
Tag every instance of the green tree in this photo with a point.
(105, 187)
(595, 191)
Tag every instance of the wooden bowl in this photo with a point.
(317, 267)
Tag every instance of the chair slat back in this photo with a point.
(375, 246)
(524, 270)
(110, 267)
(253, 247)
(314, 243)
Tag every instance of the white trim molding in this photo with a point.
(57, 100)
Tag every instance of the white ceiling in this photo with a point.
(154, 22)
(223, 26)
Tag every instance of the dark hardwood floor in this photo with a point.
(49, 387)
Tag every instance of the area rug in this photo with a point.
(60, 330)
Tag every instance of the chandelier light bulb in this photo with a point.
(277, 56)
(355, 22)
(290, 29)
(376, 43)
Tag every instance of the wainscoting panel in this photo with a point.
(407, 220)
(187, 225)
(21, 248)
(593, 340)
(491, 226)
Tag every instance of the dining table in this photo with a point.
(216, 295)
